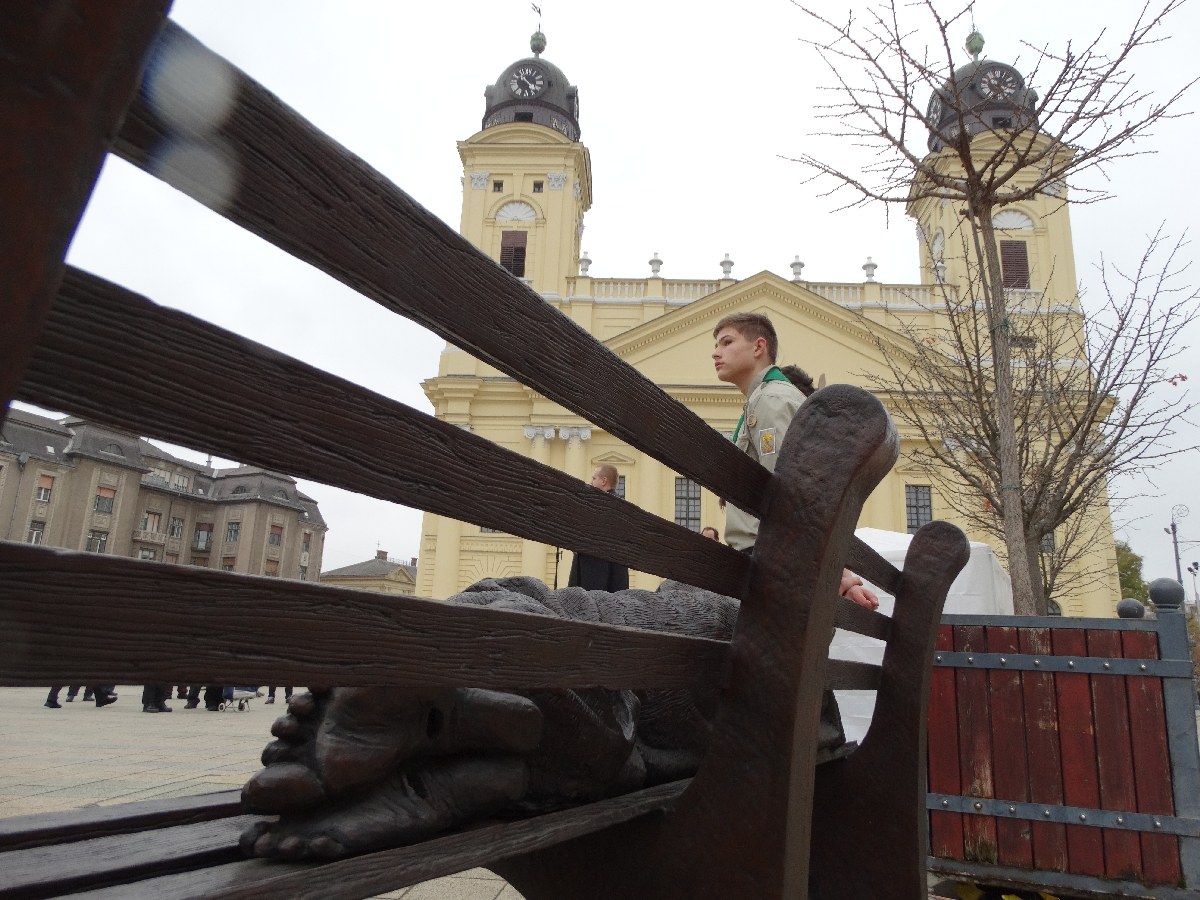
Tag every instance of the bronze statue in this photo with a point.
(358, 769)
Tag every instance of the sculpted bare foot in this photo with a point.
(333, 741)
(403, 808)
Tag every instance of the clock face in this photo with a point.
(998, 83)
(527, 81)
(934, 113)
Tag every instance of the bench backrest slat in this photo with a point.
(308, 195)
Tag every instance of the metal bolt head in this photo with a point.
(945, 803)
(1012, 809)
(978, 805)
(970, 659)
(1003, 661)
(1083, 817)
(1037, 662)
(1070, 663)
(1142, 667)
(1046, 813)
(1108, 665)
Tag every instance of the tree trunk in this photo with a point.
(1010, 487)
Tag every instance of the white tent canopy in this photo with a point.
(982, 588)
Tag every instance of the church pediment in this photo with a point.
(817, 334)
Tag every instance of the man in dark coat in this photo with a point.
(592, 573)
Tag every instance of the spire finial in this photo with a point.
(537, 42)
(974, 44)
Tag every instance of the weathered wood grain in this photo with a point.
(19, 832)
(1044, 753)
(61, 869)
(366, 876)
(1010, 765)
(67, 72)
(267, 409)
(944, 776)
(1077, 736)
(265, 630)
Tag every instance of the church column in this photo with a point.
(576, 456)
(534, 554)
(449, 553)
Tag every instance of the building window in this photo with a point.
(181, 482)
(512, 251)
(227, 563)
(201, 561)
(232, 530)
(271, 567)
(687, 503)
(204, 533)
(620, 491)
(240, 489)
(918, 505)
(1014, 264)
(523, 117)
(152, 521)
(104, 500)
(148, 553)
(306, 543)
(159, 475)
(1001, 122)
(45, 487)
(538, 186)
(276, 536)
(497, 187)
(176, 530)
(304, 573)
(37, 533)
(97, 541)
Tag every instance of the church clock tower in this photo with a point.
(527, 180)
(991, 100)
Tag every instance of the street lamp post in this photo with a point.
(1179, 511)
(1193, 570)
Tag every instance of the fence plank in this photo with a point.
(1085, 845)
(945, 828)
(1151, 760)
(1114, 758)
(1044, 753)
(1013, 846)
(975, 745)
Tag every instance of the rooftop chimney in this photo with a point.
(381, 554)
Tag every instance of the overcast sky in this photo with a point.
(689, 111)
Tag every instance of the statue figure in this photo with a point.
(360, 769)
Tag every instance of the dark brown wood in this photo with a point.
(65, 868)
(270, 410)
(945, 828)
(869, 836)
(1151, 760)
(1077, 736)
(1043, 753)
(1114, 758)
(264, 629)
(20, 832)
(374, 873)
(1010, 766)
(67, 72)
(764, 742)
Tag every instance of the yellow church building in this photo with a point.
(527, 184)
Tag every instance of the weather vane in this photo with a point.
(537, 9)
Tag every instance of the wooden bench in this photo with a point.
(758, 820)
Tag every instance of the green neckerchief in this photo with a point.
(773, 374)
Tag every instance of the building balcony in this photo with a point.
(202, 544)
(150, 537)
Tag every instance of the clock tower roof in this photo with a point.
(980, 96)
(533, 90)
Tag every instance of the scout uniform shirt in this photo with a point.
(765, 419)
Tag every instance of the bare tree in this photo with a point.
(1089, 113)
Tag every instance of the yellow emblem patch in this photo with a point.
(766, 442)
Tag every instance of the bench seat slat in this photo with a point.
(62, 868)
(302, 191)
(282, 414)
(19, 832)
(258, 630)
(365, 876)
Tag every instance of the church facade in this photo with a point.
(526, 188)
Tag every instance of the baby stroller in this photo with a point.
(239, 695)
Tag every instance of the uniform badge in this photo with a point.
(766, 442)
(753, 420)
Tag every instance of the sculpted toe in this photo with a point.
(281, 788)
